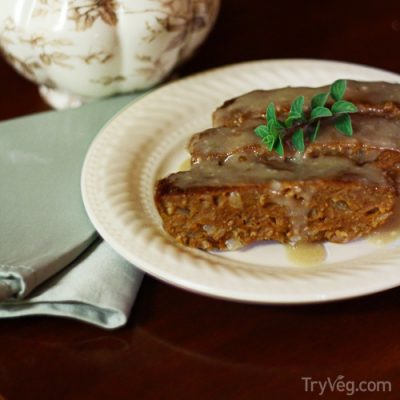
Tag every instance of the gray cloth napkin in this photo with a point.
(50, 260)
(99, 288)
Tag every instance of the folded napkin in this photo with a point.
(51, 262)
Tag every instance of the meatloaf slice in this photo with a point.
(374, 98)
(375, 139)
(227, 206)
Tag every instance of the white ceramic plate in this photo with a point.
(146, 141)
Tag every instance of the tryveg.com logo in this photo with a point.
(339, 384)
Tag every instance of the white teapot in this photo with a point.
(84, 49)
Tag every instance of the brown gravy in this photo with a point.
(235, 171)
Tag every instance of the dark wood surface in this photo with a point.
(179, 345)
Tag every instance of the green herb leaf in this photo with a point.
(319, 100)
(296, 113)
(320, 112)
(268, 133)
(261, 131)
(343, 124)
(297, 106)
(274, 127)
(338, 89)
(343, 106)
(269, 142)
(278, 147)
(315, 129)
(271, 123)
(271, 133)
(292, 118)
(271, 114)
(298, 140)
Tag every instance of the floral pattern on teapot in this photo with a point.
(94, 48)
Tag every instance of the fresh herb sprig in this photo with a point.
(300, 125)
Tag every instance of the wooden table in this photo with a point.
(179, 345)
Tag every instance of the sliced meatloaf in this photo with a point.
(230, 204)
(373, 98)
(375, 139)
(238, 192)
